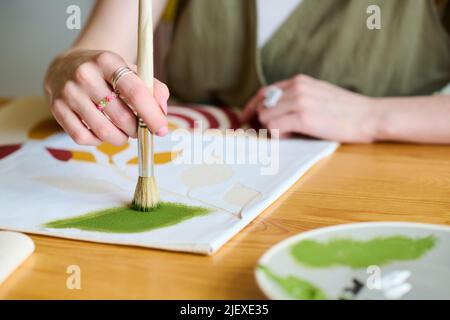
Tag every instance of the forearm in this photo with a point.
(413, 119)
(112, 26)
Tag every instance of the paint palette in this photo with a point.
(363, 261)
(15, 248)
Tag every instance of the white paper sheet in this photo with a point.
(37, 188)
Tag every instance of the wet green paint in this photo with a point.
(127, 220)
(295, 287)
(361, 254)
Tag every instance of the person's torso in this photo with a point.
(214, 55)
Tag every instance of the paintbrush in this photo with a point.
(146, 196)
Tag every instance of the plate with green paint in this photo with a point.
(362, 261)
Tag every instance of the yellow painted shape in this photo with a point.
(111, 150)
(133, 161)
(166, 157)
(83, 156)
(160, 157)
(172, 126)
(44, 129)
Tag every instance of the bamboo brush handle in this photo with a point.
(145, 43)
(145, 71)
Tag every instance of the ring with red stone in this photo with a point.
(104, 102)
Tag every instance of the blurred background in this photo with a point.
(31, 34)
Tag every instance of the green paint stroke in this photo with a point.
(127, 220)
(295, 287)
(361, 254)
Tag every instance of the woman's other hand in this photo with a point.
(78, 80)
(318, 109)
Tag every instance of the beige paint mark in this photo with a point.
(79, 185)
(18, 116)
(205, 175)
(241, 196)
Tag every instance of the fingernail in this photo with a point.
(162, 131)
(275, 133)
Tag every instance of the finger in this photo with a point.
(284, 85)
(134, 67)
(90, 79)
(276, 133)
(304, 84)
(249, 111)
(296, 86)
(136, 93)
(82, 105)
(71, 124)
(287, 94)
(161, 94)
(285, 125)
(290, 102)
(299, 92)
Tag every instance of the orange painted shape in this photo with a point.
(166, 157)
(83, 156)
(44, 129)
(160, 158)
(111, 150)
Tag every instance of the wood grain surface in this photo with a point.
(383, 182)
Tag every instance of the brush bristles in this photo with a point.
(146, 196)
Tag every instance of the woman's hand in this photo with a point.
(318, 109)
(78, 80)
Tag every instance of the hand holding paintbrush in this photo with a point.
(146, 196)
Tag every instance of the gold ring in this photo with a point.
(122, 71)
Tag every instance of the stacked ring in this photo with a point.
(119, 74)
(104, 102)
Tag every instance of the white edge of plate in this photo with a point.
(316, 232)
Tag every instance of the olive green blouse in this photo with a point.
(214, 56)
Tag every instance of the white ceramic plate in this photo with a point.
(360, 261)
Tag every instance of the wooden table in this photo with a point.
(385, 182)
